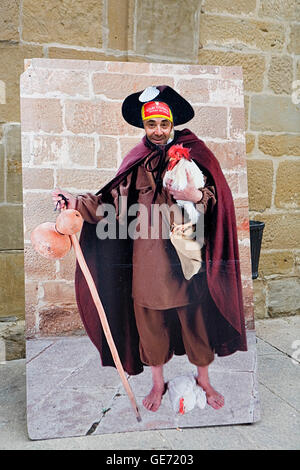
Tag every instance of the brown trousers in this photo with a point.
(157, 329)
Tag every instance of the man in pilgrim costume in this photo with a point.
(153, 310)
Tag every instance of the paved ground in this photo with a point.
(79, 409)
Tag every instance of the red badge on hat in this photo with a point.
(156, 109)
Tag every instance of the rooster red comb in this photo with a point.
(176, 153)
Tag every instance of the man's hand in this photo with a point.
(189, 193)
(56, 198)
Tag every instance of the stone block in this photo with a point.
(167, 28)
(11, 67)
(250, 142)
(57, 320)
(83, 117)
(38, 178)
(260, 183)
(293, 46)
(284, 297)
(9, 20)
(55, 82)
(59, 293)
(65, 22)
(38, 208)
(231, 155)
(253, 65)
(112, 122)
(12, 284)
(107, 154)
(118, 86)
(81, 151)
(278, 145)
(209, 121)
(216, 92)
(41, 114)
(260, 299)
(237, 123)
(281, 230)
(275, 262)
(2, 174)
(118, 19)
(242, 7)
(280, 74)
(241, 33)
(12, 140)
(83, 180)
(31, 302)
(287, 184)
(11, 233)
(46, 149)
(278, 10)
(274, 114)
(37, 267)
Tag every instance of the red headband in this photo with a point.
(156, 109)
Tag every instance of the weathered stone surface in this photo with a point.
(41, 114)
(279, 10)
(241, 33)
(209, 121)
(243, 7)
(281, 230)
(107, 155)
(38, 178)
(83, 116)
(284, 297)
(55, 82)
(2, 174)
(167, 28)
(278, 145)
(294, 44)
(38, 208)
(118, 19)
(259, 296)
(253, 65)
(37, 267)
(216, 92)
(250, 142)
(68, 22)
(79, 180)
(12, 283)
(31, 301)
(57, 319)
(260, 183)
(12, 334)
(274, 113)
(12, 139)
(288, 184)
(9, 20)
(11, 233)
(11, 67)
(275, 262)
(59, 293)
(280, 75)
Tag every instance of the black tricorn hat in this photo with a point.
(181, 109)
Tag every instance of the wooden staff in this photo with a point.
(104, 322)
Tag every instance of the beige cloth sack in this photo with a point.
(187, 247)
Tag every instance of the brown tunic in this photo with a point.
(158, 281)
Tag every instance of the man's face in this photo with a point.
(158, 130)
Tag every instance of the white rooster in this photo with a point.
(180, 162)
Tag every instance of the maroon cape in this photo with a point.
(110, 263)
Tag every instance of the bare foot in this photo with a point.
(153, 400)
(213, 398)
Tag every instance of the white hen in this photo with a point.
(179, 178)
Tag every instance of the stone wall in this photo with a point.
(261, 36)
(74, 138)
